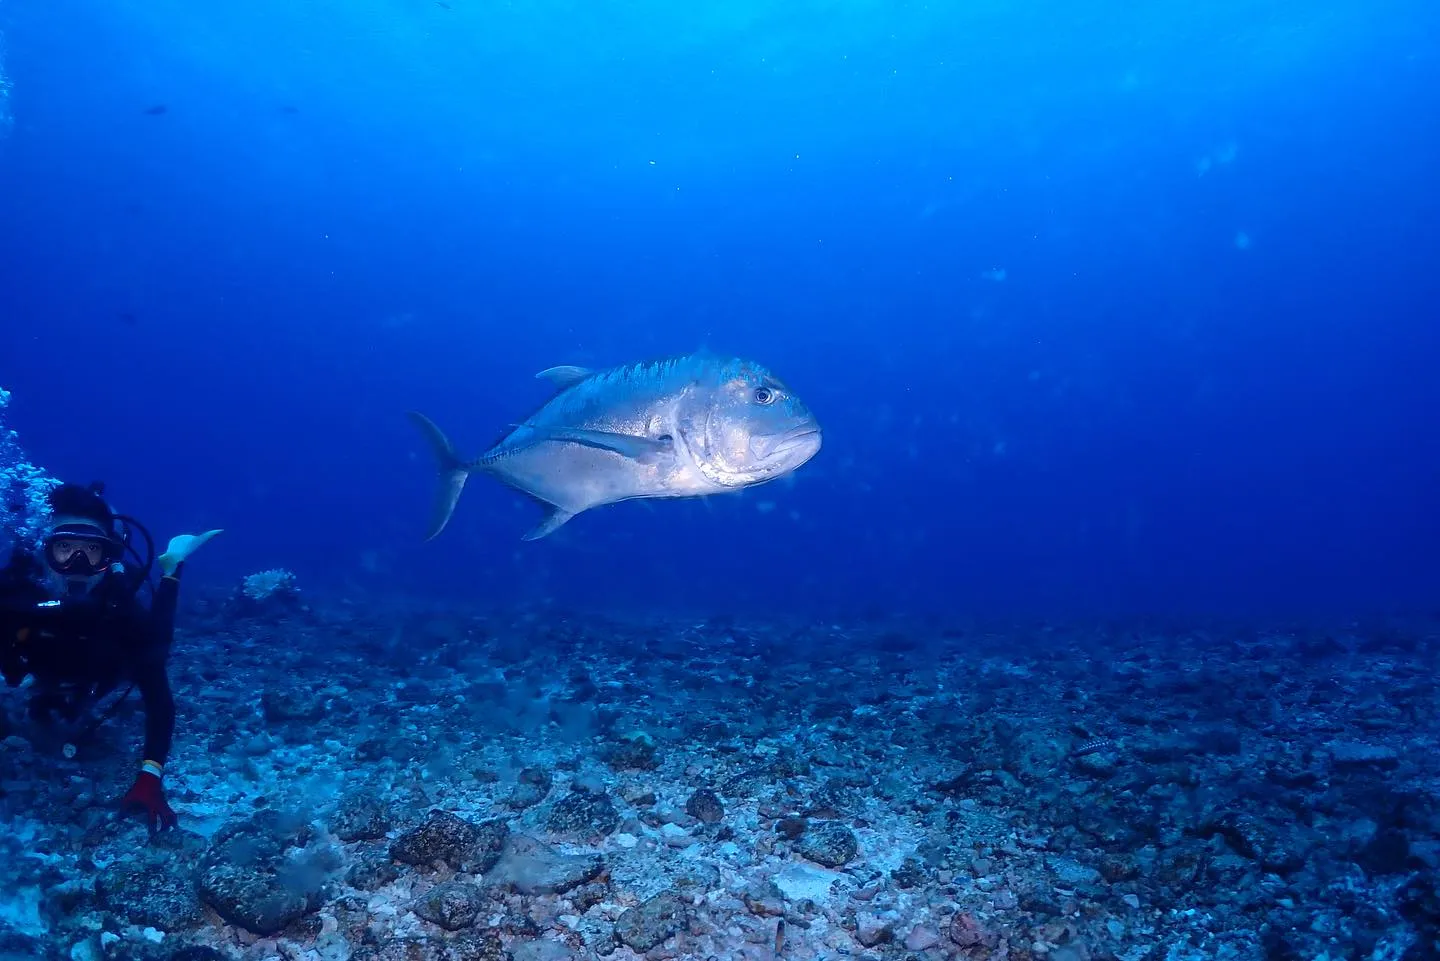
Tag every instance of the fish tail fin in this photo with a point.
(453, 473)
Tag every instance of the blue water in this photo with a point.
(1104, 307)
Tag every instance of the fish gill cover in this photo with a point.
(1100, 625)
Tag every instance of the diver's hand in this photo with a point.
(179, 550)
(147, 797)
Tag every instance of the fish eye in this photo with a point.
(764, 395)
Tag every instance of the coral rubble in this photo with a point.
(413, 784)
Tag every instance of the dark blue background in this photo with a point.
(350, 209)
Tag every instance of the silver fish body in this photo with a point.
(683, 427)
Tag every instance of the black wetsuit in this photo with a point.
(80, 650)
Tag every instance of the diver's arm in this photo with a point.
(19, 574)
(16, 604)
(12, 633)
(146, 795)
(154, 683)
(17, 614)
(171, 563)
(151, 670)
(162, 610)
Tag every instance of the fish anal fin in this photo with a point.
(564, 376)
(550, 524)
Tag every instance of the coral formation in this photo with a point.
(23, 486)
(264, 585)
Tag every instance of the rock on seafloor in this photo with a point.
(476, 785)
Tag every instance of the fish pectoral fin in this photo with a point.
(550, 524)
(643, 449)
(563, 377)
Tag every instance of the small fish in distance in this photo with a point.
(1093, 746)
(156, 110)
(683, 427)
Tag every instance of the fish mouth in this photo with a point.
(779, 445)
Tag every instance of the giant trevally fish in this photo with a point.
(683, 427)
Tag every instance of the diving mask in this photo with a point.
(76, 551)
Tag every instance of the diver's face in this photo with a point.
(76, 557)
(69, 585)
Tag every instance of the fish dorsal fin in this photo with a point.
(563, 377)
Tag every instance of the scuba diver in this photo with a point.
(71, 617)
